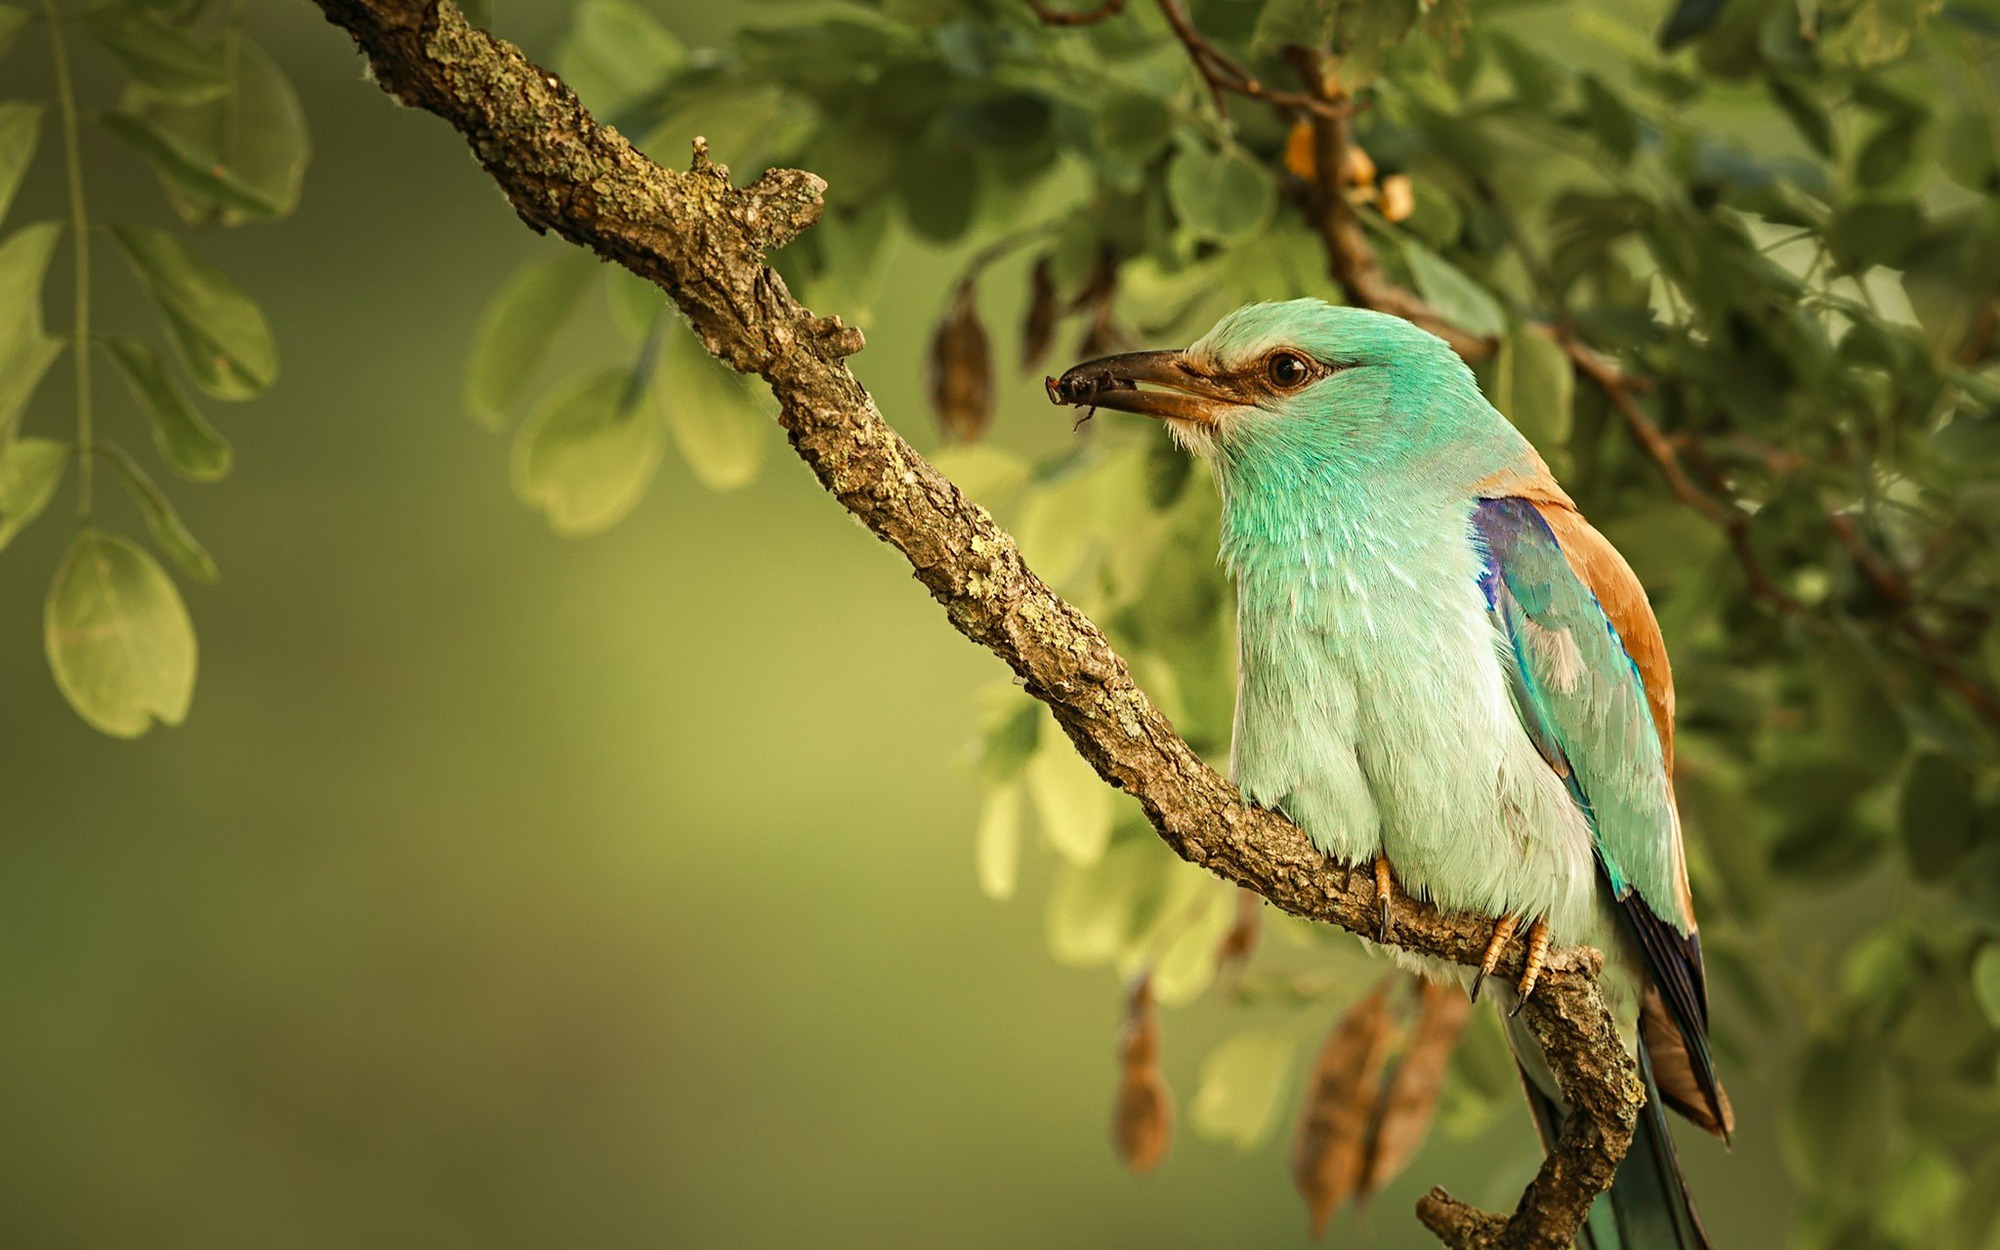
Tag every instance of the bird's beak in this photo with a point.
(1153, 384)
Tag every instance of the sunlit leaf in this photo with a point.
(1072, 802)
(997, 840)
(253, 139)
(186, 166)
(20, 131)
(1447, 288)
(30, 471)
(186, 441)
(1242, 1087)
(1219, 195)
(26, 349)
(1097, 910)
(1534, 387)
(722, 422)
(1188, 964)
(1986, 982)
(118, 637)
(616, 53)
(169, 532)
(585, 457)
(162, 57)
(517, 328)
(221, 334)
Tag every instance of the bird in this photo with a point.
(1447, 674)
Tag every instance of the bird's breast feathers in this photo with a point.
(1374, 709)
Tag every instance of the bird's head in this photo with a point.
(1305, 385)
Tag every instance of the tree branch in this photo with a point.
(1350, 259)
(703, 242)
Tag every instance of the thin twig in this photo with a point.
(1350, 258)
(1225, 75)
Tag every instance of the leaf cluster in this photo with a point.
(218, 123)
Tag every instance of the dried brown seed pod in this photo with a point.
(962, 369)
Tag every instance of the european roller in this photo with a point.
(1447, 673)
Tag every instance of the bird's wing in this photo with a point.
(1566, 609)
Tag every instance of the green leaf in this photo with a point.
(1689, 20)
(220, 333)
(517, 328)
(20, 131)
(1447, 288)
(1888, 151)
(1986, 982)
(997, 842)
(252, 138)
(186, 441)
(1072, 801)
(1008, 743)
(938, 187)
(1834, 1134)
(187, 168)
(157, 56)
(118, 637)
(26, 349)
(1186, 967)
(1873, 232)
(1534, 387)
(1242, 1087)
(1131, 128)
(1096, 910)
(1361, 31)
(30, 471)
(585, 457)
(12, 18)
(1937, 812)
(1808, 115)
(721, 421)
(635, 304)
(1968, 154)
(169, 532)
(615, 54)
(1220, 195)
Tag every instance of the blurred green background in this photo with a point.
(503, 890)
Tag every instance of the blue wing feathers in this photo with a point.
(1583, 703)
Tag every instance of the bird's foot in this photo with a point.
(1385, 895)
(1503, 933)
(1538, 958)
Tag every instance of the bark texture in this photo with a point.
(703, 241)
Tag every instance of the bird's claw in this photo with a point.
(1503, 932)
(1385, 896)
(1538, 959)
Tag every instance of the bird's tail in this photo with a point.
(1647, 1206)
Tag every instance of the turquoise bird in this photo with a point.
(1445, 671)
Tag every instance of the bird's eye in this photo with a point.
(1287, 370)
